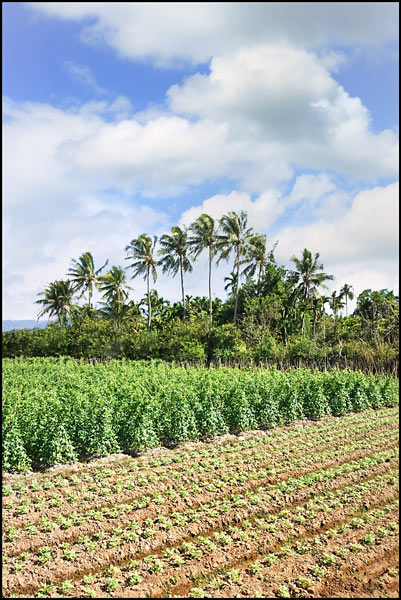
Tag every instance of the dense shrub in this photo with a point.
(58, 409)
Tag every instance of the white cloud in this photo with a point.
(170, 33)
(283, 102)
(310, 188)
(368, 231)
(53, 211)
(160, 157)
(75, 178)
(358, 245)
(262, 212)
(83, 75)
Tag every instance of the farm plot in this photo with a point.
(62, 410)
(309, 509)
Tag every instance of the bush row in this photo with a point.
(60, 410)
(192, 342)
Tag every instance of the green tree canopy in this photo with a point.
(84, 276)
(142, 252)
(174, 250)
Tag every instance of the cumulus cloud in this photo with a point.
(358, 244)
(285, 102)
(262, 211)
(86, 177)
(75, 178)
(160, 157)
(196, 31)
(53, 211)
(368, 230)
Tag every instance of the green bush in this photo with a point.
(60, 409)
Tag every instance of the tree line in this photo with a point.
(179, 249)
(270, 311)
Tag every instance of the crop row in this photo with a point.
(131, 537)
(266, 527)
(227, 548)
(304, 565)
(208, 475)
(196, 490)
(61, 410)
(304, 434)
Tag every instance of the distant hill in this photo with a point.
(22, 324)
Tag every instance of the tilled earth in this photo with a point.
(308, 510)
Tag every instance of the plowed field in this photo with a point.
(309, 510)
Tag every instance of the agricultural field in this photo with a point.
(309, 509)
(63, 410)
(197, 483)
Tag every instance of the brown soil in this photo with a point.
(372, 439)
(58, 569)
(291, 459)
(154, 510)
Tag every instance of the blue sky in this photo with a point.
(125, 118)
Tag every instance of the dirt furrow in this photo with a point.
(57, 568)
(291, 466)
(32, 500)
(303, 570)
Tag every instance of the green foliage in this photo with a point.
(304, 348)
(14, 456)
(61, 409)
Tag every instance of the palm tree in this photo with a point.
(231, 282)
(347, 292)
(57, 300)
(174, 250)
(204, 235)
(256, 256)
(324, 300)
(310, 276)
(235, 236)
(84, 275)
(114, 286)
(336, 304)
(141, 250)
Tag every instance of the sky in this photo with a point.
(128, 118)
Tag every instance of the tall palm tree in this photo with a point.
(256, 256)
(174, 250)
(324, 300)
(115, 289)
(141, 250)
(57, 300)
(347, 292)
(336, 304)
(309, 277)
(235, 237)
(204, 235)
(84, 276)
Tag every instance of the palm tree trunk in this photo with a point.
(236, 289)
(259, 273)
(182, 288)
(210, 284)
(346, 305)
(149, 304)
(335, 322)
